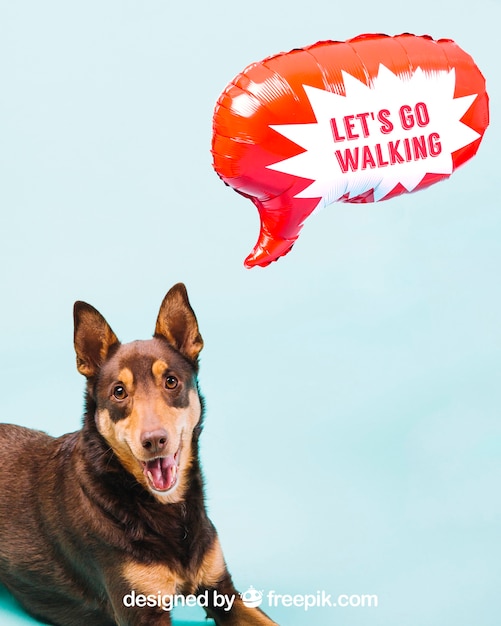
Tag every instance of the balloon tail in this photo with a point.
(268, 249)
(281, 221)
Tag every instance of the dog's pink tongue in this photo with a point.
(162, 472)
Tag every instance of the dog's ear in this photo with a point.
(93, 338)
(177, 323)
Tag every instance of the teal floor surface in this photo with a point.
(11, 614)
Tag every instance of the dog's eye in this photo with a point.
(171, 382)
(119, 392)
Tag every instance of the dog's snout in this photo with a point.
(154, 441)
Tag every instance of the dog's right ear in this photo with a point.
(93, 338)
(177, 323)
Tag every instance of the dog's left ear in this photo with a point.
(177, 323)
(93, 338)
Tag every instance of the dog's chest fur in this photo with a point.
(88, 515)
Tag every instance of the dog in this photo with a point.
(114, 512)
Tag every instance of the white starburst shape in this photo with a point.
(396, 130)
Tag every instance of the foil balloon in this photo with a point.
(356, 121)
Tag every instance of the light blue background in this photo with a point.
(353, 430)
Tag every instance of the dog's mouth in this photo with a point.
(162, 472)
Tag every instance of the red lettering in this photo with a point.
(350, 159)
(349, 127)
(399, 151)
(379, 156)
(383, 117)
(407, 148)
(419, 145)
(363, 122)
(434, 144)
(367, 158)
(406, 117)
(335, 131)
(422, 115)
(395, 156)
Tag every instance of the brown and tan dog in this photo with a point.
(115, 511)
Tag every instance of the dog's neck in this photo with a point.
(125, 503)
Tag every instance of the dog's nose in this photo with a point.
(154, 441)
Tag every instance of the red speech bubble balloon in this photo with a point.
(356, 121)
